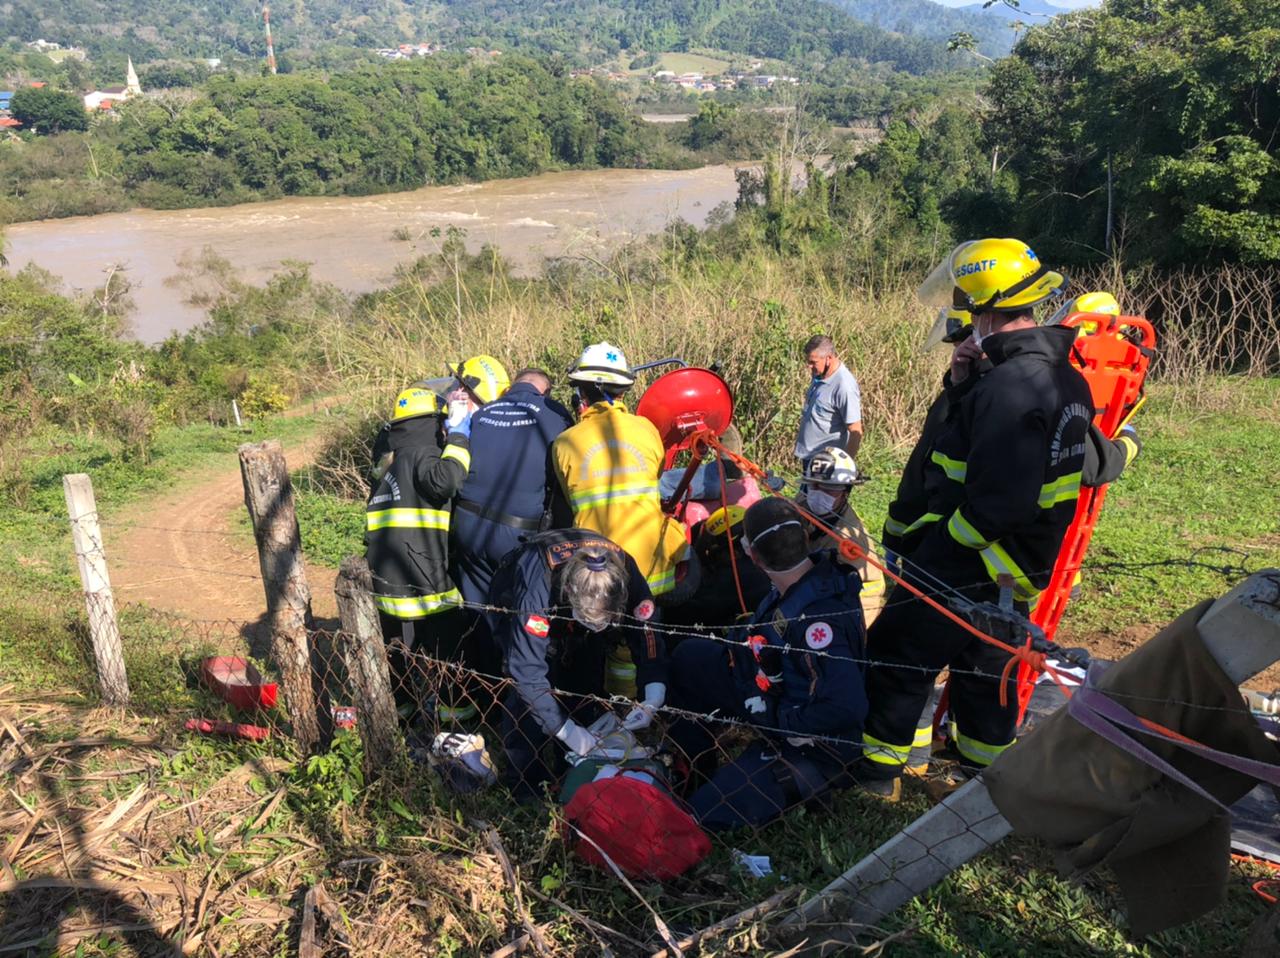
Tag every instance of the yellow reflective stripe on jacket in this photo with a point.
(883, 752)
(628, 492)
(976, 751)
(956, 469)
(407, 519)
(998, 561)
(1063, 489)
(1130, 449)
(459, 454)
(662, 582)
(416, 606)
(895, 528)
(963, 532)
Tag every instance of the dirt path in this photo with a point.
(188, 553)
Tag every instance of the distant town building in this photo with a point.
(108, 97)
(408, 51)
(5, 97)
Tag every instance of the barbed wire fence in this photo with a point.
(437, 711)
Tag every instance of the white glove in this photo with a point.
(459, 412)
(655, 693)
(575, 738)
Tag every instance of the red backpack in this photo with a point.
(639, 826)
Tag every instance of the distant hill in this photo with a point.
(796, 31)
(923, 18)
(1029, 11)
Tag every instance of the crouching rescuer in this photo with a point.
(560, 602)
(793, 672)
(1001, 472)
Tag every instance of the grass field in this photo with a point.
(226, 839)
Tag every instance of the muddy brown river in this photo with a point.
(353, 242)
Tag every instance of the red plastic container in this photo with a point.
(685, 401)
(237, 681)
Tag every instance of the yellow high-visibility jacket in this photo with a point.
(608, 466)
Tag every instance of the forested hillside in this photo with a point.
(582, 30)
(924, 18)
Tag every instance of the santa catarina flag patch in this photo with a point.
(537, 625)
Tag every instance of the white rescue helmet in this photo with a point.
(831, 467)
(603, 364)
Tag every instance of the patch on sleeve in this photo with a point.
(537, 625)
(644, 611)
(818, 635)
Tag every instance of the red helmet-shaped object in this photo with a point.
(685, 401)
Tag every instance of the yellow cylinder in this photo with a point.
(620, 673)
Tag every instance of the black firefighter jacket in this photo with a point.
(407, 518)
(1000, 465)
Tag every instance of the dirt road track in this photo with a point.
(188, 553)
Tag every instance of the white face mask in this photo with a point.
(822, 503)
(590, 626)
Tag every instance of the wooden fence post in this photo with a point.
(86, 536)
(268, 495)
(365, 655)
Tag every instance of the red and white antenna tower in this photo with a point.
(271, 50)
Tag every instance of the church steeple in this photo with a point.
(132, 86)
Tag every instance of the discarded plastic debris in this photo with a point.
(251, 733)
(757, 866)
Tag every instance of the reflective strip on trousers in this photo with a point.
(873, 587)
(1063, 489)
(459, 454)
(615, 494)
(407, 519)
(924, 736)
(978, 752)
(895, 528)
(883, 752)
(417, 606)
(956, 469)
(963, 532)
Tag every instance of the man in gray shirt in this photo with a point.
(832, 406)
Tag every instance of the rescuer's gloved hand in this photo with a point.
(459, 420)
(575, 738)
(1133, 445)
(655, 693)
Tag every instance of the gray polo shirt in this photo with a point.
(829, 406)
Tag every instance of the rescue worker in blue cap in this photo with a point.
(793, 672)
(559, 604)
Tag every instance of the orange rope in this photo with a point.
(851, 551)
(728, 531)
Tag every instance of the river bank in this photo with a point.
(357, 242)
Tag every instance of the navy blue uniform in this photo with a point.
(794, 672)
(505, 492)
(543, 648)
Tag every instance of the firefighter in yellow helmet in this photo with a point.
(608, 467)
(1002, 473)
(407, 538)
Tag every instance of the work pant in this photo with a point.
(524, 741)
(476, 546)
(907, 648)
(415, 647)
(765, 779)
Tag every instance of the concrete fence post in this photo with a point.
(91, 557)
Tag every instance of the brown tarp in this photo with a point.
(1095, 804)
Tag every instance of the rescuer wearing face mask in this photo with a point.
(1001, 476)
(828, 480)
(560, 602)
(793, 672)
